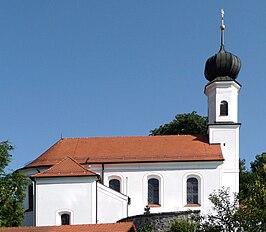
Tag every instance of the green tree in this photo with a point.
(183, 124)
(12, 190)
(253, 204)
(259, 162)
(252, 195)
(229, 216)
(246, 179)
(225, 217)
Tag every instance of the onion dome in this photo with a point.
(222, 64)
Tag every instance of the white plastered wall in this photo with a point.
(172, 177)
(75, 195)
(111, 205)
(228, 137)
(224, 130)
(78, 195)
(222, 91)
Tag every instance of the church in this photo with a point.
(104, 179)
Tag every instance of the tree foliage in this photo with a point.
(5, 156)
(184, 226)
(253, 195)
(246, 179)
(146, 228)
(183, 124)
(12, 188)
(225, 217)
(250, 214)
(258, 163)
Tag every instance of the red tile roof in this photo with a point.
(114, 227)
(66, 167)
(131, 149)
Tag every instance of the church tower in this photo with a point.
(221, 70)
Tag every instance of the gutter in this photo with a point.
(102, 173)
(34, 201)
(96, 208)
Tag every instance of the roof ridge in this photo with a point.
(79, 164)
(71, 172)
(133, 136)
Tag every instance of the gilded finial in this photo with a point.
(222, 30)
(222, 14)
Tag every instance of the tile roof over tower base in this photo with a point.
(134, 149)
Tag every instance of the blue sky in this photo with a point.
(120, 67)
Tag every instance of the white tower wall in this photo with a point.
(224, 129)
(222, 91)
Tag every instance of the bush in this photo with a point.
(183, 226)
(146, 228)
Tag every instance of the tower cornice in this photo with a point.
(221, 84)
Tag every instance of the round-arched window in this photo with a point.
(153, 191)
(65, 219)
(192, 191)
(114, 184)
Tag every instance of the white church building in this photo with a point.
(104, 179)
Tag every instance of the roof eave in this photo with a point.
(137, 161)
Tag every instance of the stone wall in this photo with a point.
(161, 222)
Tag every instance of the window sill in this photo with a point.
(154, 205)
(192, 205)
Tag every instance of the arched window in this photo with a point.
(65, 219)
(30, 197)
(114, 184)
(153, 191)
(192, 191)
(223, 108)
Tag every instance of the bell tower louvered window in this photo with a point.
(223, 108)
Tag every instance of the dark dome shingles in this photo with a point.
(222, 64)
